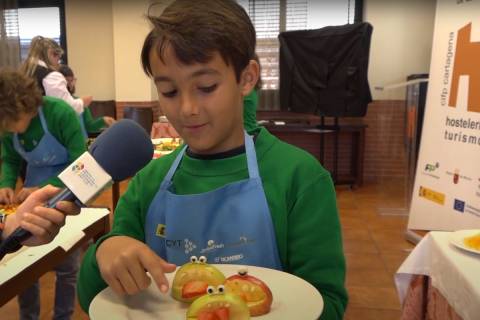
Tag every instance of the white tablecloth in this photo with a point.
(453, 272)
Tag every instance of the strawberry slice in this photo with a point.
(194, 289)
(217, 314)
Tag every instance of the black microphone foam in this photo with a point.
(123, 149)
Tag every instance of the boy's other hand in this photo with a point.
(124, 263)
(87, 101)
(43, 223)
(24, 193)
(109, 121)
(7, 195)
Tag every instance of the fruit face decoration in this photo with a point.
(252, 290)
(193, 278)
(218, 305)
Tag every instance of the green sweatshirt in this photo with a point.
(300, 195)
(250, 111)
(92, 125)
(62, 123)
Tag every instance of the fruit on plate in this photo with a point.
(218, 305)
(193, 278)
(252, 290)
(473, 242)
(168, 144)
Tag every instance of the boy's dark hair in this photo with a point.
(66, 71)
(196, 29)
(18, 94)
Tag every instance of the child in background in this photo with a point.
(46, 133)
(89, 124)
(261, 201)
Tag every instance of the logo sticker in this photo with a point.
(160, 230)
(459, 205)
(432, 195)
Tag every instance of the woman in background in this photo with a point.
(42, 64)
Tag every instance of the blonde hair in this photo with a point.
(39, 48)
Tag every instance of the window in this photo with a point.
(33, 18)
(270, 17)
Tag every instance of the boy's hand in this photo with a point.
(124, 263)
(87, 101)
(7, 195)
(24, 193)
(43, 223)
(109, 121)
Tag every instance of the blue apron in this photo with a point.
(82, 125)
(231, 224)
(46, 160)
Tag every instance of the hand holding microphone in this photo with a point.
(117, 153)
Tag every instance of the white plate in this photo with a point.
(456, 238)
(293, 298)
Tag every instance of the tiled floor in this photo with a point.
(374, 248)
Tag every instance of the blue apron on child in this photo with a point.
(231, 224)
(46, 160)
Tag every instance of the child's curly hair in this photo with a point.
(18, 94)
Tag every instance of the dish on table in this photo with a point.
(293, 298)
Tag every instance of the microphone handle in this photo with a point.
(14, 241)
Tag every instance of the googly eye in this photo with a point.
(210, 290)
(202, 259)
(193, 259)
(221, 288)
(243, 271)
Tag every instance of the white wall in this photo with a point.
(130, 28)
(401, 42)
(104, 41)
(90, 47)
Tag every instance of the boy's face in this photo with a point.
(21, 125)
(204, 102)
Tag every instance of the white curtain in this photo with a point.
(9, 34)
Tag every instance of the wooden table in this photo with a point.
(24, 279)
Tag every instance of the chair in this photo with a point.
(103, 108)
(141, 115)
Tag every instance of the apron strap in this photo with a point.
(251, 157)
(173, 168)
(251, 162)
(42, 120)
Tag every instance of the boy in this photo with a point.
(87, 122)
(46, 133)
(225, 185)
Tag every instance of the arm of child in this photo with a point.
(55, 85)
(127, 237)
(43, 223)
(314, 243)
(11, 161)
(124, 262)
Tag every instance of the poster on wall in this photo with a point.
(446, 194)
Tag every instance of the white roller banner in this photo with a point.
(446, 194)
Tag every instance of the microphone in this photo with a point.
(116, 154)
